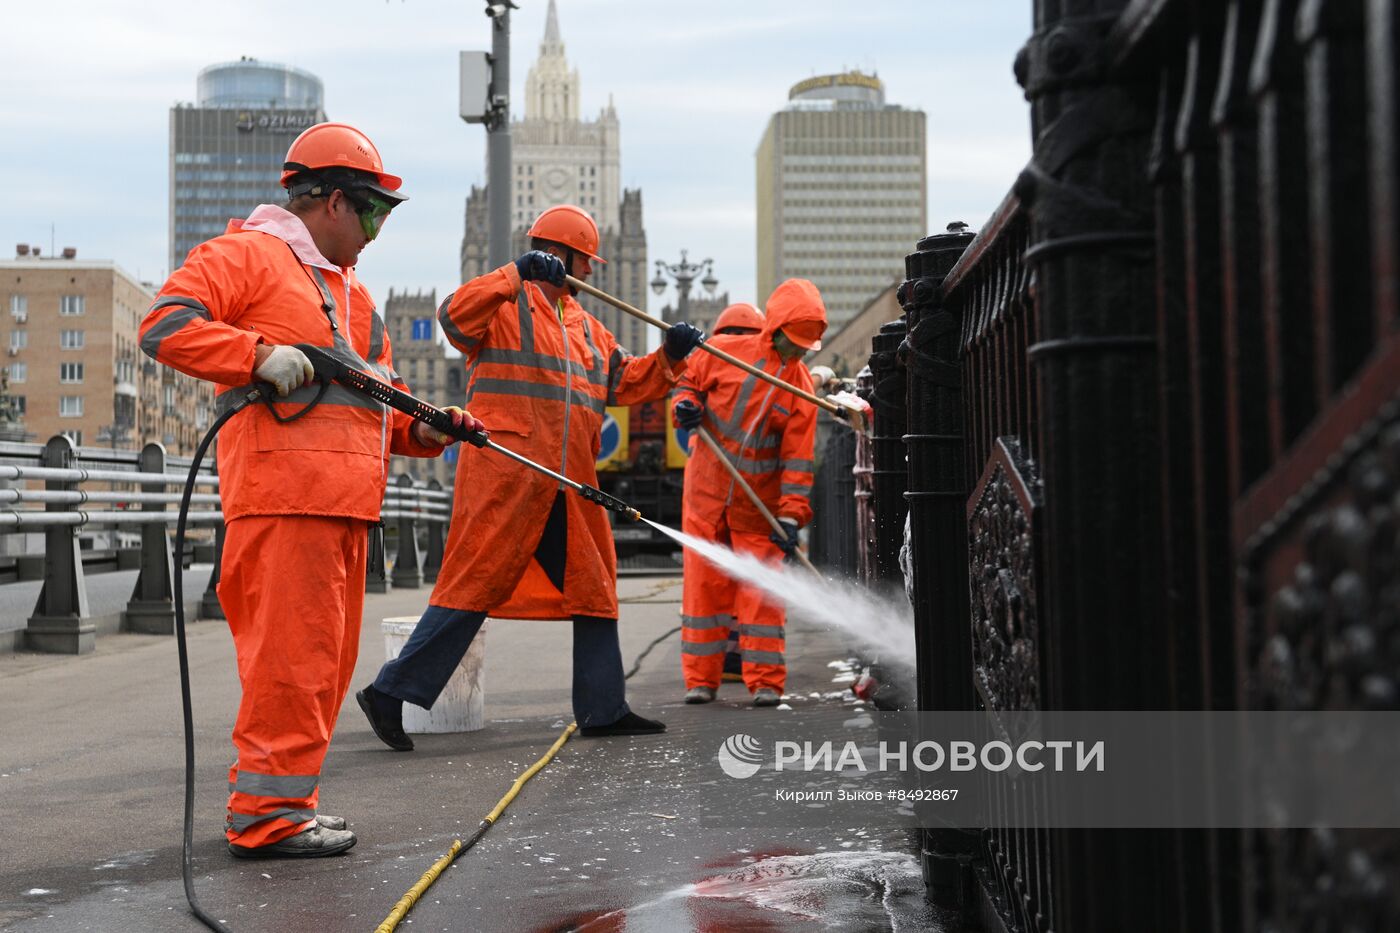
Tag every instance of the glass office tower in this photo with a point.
(226, 150)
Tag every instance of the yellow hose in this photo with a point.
(406, 902)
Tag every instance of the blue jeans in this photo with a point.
(442, 638)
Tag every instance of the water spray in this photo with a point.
(885, 624)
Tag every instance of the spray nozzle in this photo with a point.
(593, 494)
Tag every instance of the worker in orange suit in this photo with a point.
(769, 435)
(302, 477)
(738, 318)
(542, 373)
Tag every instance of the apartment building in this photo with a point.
(69, 332)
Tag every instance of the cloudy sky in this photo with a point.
(88, 85)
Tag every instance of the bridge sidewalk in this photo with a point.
(91, 787)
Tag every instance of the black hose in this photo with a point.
(187, 860)
(187, 865)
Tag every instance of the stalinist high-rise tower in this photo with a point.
(559, 158)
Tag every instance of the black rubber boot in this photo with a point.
(631, 724)
(385, 715)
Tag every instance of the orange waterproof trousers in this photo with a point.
(293, 589)
(712, 602)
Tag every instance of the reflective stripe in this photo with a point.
(753, 465)
(537, 360)
(701, 648)
(722, 620)
(376, 336)
(806, 466)
(450, 328)
(276, 785)
(568, 409)
(761, 631)
(184, 300)
(239, 822)
(760, 443)
(335, 395)
(764, 657)
(527, 320)
(328, 298)
(537, 390)
(172, 322)
(732, 427)
(797, 489)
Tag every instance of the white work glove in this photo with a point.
(287, 368)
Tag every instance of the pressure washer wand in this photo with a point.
(330, 369)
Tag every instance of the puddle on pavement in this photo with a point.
(823, 891)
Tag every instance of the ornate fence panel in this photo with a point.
(1178, 417)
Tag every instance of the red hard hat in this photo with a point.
(742, 314)
(570, 226)
(338, 145)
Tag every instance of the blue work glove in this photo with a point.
(688, 414)
(682, 338)
(539, 266)
(788, 540)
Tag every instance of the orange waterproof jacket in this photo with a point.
(540, 383)
(264, 281)
(769, 433)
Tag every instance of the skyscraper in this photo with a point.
(561, 159)
(842, 191)
(227, 149)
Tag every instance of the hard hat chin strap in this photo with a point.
(569, 267)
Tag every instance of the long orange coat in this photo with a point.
(540, 378)
(769, 433)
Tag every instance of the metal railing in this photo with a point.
(61, 621)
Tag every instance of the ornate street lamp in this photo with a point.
(684, 273)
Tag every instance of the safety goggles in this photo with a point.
(371, 208)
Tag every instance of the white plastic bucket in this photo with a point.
(462, 705)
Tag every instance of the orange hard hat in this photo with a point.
(339, 145)
(569, 226)
(742, 315)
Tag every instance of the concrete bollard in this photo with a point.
(462, 705)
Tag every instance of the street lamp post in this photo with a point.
(485, 99)
(684, 273)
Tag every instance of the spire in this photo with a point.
(551, 89)
(551, 24)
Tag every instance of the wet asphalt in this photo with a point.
(615, 834)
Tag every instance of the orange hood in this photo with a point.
(793, 301)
